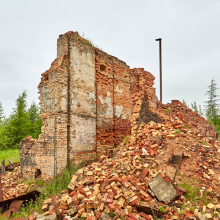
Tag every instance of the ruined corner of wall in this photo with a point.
(143, 98)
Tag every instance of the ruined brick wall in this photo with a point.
(143, 98)
(84, 98)
(113, 105)
(49, 153)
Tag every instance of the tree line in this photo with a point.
(21, 122)
(211, 110)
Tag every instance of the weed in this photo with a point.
(166, 111)
(178, 173)
(112, 214)
(192, 208)
(161, 209)
(185, 127)
(177, 131)
(95, 158)
(47, 189)
(125, 139)
(204, 198)
(205, 143)
(191, 192)
(181, 213)
(114, 171)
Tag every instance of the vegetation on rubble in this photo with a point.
(162, 209)
(20, 123)
(177, 131)
(125, 139)
(47, 189)
(112, 214)
(185, 127)
(194, 198)
(166, 111)
(9, 154)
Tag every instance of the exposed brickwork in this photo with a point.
(113, 105)
(85, 102)
(143, 98)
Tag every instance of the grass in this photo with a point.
(166, 111)
(9, 154)
(177, 131)
(125, 140)
(112, 214)
(192, 194)
(162, 209)
(185, 127)
(47, 189)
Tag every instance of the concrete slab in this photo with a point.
(47, 217)
(163, 191)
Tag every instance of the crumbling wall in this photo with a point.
(113, 107)
(84, 98)
(48, 154)
(143, 98)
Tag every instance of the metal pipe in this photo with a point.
(160, 58)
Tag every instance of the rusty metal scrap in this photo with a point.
(15, 204)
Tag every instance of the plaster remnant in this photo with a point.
(119, 109)
(117, 89)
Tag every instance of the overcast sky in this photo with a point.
(127, 29)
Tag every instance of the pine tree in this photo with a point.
(35, 122)
(194, 107)
(6, 140)
(1, 114)
(184, 103)
(212, 107)
(18, 121)
(200, 111)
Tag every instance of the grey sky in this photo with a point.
(123, 28)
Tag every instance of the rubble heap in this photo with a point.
(170, 170)
(11, 186)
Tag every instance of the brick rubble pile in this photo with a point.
(146, 177)
(10, 184)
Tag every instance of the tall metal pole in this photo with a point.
(160, 56)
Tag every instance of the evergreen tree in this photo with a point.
(212, 107)
(18, 121)
(200, 111)
(194, 107)
(1, 114)
(184, 103)
(6, 140)
(35, 122)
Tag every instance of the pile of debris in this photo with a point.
(168, 170)
(10, 184)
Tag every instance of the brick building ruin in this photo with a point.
(89, 100)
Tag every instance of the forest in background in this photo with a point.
(22, 122)
(211, 110)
